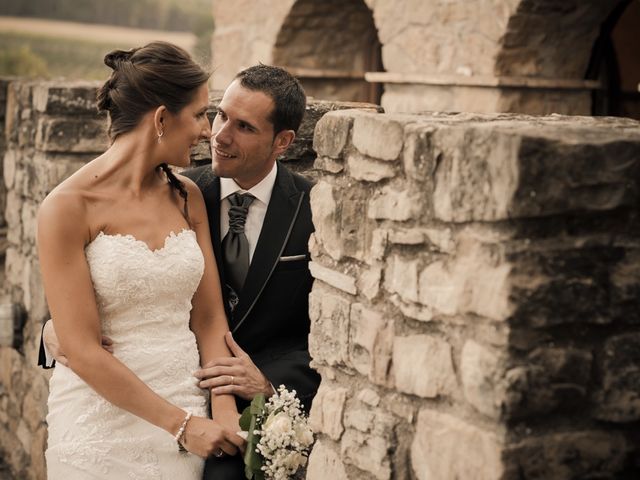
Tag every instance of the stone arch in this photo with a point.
(329, 45)
(555, 40)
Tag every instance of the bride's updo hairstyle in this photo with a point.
(142, 80)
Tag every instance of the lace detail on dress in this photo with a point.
(144, 301)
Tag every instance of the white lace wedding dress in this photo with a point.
(144, 300)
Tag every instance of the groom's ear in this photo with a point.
(283, 140)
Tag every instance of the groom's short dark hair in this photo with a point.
(283, 88)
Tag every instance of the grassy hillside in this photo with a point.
(51, 49)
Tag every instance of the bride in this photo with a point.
(125, 252)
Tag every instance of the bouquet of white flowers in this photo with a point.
(278, 436)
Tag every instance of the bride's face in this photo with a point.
(186, 129)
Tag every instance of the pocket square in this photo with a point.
(293, 258)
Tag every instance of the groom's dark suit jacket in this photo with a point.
(271, 319)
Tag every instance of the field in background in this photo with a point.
(51, 49)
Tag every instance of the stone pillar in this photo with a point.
(475, 309)
(52, 129)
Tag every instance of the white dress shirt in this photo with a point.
(257, 210)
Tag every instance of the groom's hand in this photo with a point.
(52, 344)
(236, 375)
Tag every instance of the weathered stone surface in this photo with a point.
(440, 439)
(475, 282)
(327, 410)
(423, 366)
(595, 454)
(367, 452)
(325, 211)
(325, 463)
(391, 204)
(329, 315)
(401, 277)
(71, 99)
(503, 172)
(618, 398)
(378, 136)
(481, 369)
(71, 135)
(327, 164)
(367, 170)
(370, 343)
(331, 134)
(335, 217)
(369, 397)
(418, 156)
(338, 280)
(369, 282)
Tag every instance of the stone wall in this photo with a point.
(475, 309)
(51, 130)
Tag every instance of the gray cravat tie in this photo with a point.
(235, 246)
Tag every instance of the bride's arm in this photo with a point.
(62, 236)
(208, 318)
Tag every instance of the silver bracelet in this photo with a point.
(178, 436)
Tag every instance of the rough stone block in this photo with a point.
(367, 452)
(71, 135)
(9, 167)
(418, 155)
(325, 463)
(482, 370)
(475, 282)
(423, 366)
(337, 216)
(566, 286)
(327, 164)
(368, 420)
(618, 399)
(325, 219)
(34, 406)
(68, 98)
(369, 397)
(582, 454)
(371, 343)
(336, 279)
(329, 314)
(401, 277)
(501, 170)
(369, 282)
(391, 204)
(327, 410)
(445, 447)
(331, 134)
(378, 136)
(367, 170)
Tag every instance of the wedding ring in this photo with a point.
(218, 453)
(232, 378)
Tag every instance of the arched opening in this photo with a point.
(616, 64)
(329, 46)
(550, 44)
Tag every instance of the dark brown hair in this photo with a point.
(143, 79)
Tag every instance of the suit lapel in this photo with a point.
(278, 221)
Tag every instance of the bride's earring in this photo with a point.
(160, 133)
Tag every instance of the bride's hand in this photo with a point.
(207, 438)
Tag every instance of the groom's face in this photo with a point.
(243, 146)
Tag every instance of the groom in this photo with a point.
(261, 245)
(266, 295)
